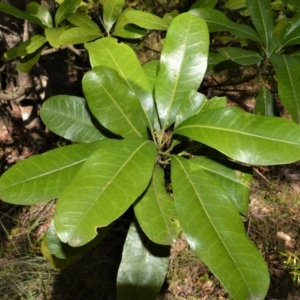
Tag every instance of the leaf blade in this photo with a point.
(155, 212)
(287, 71)
(115, 167)
(119, 109)
(111, 12)
(146, 20)
(182, 65)
(68, 117)
(43, 177)
(143, 267)
(245, 137)
(214, 230)
(262, 18)
(109, 53)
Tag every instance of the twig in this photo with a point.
(264, 178)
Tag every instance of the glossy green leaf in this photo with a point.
(53, 34)
(291, 34)
(182, 65)
(189, 106)
(67, 7)
(78, 35)
(155, 211)
(217, 21)
(43, 177)
(83, 21)
(215, 231)
(55, 262)
(26, 63)
(120, 57)
(213, 60)
(261, 14)
(69, 117)
(64, 251)
(204, 4)
(107, 184)
(278, 36)
(235, 4)
(150, 69)
(26, 48)
(146, 20)
(11, 10)
(213, 103)
(41, 13)
(288, 76)
(111, 11)
(234, 178)
(241, 56)
(113, 103)
(264, 103)
(125, 30)
(245, 137)
(143, 267)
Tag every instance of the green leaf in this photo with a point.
(234, 178)
(261, 14)
(204, 4)
(189, 106)
(124, 30)
(143, 267)
(155, 212)
(241, 56)
(287, 72)
(106, 185)
(78, 35)
(69, 117)
(150, 69)
(182, 65)
(53, 34)
(217, 21)
(291, 34)
(235, 4)
(43, 177)
(213, 103)
(67, 7)
(120, 57)
(55, 262)
(264, 103)
(245, 137)
(83, 21)
(146, 20)
(111, 12)
(113, 103)
(40, 12)
(213, 60)
(26, 63)
(26, 48)
(215, 231)
(64, 251)
(11, 10)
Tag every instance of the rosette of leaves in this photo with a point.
(146, 140)
(270, 45)
(72, 24)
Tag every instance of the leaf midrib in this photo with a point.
(207, 215)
